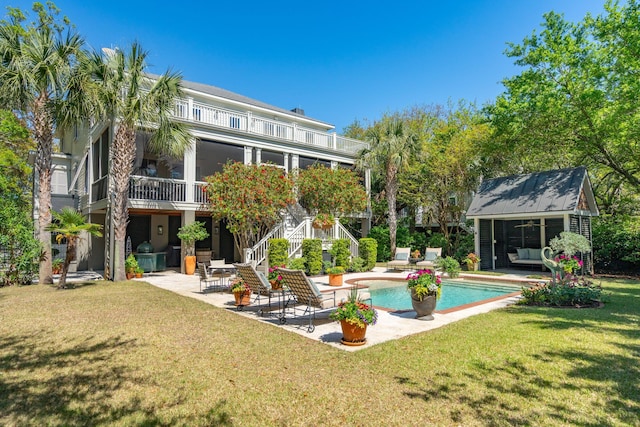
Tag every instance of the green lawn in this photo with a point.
(131, 354)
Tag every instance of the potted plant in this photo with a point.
(354, 317)
(472, 260)
(190, 234)
(449, 265)
(56, 265)
(241, 293)
(425, 287)
(335, 275)
(130, 265)
(323, 221)
(415, 256)
(275, 278)
(139, 272)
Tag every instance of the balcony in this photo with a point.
(197, 112)
(157, 189)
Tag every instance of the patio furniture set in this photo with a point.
(299, 297)
(402, 260)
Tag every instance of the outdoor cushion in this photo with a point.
(534, 254)
(430, 256)
(402, 256)
(523, 253)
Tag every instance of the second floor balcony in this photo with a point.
(247, 122)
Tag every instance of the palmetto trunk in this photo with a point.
(72, 244)
(124, 151)
(42, 125)
(392, 190)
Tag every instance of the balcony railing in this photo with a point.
(157, 189)
(247, 122)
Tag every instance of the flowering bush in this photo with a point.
(569, 264)
(570, 291)
(238, 285)
(355, 312)
(424, 283)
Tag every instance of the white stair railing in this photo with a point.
(258, 253)
(296, 237)
(343, 233)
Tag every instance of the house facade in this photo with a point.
(166, 193)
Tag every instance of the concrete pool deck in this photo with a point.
(390, 325)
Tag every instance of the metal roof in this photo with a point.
(553, 191)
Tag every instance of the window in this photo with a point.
(59, 182)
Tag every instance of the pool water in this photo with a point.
(394, 295)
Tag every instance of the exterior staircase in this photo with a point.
(295, 227)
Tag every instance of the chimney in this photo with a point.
(298, 110)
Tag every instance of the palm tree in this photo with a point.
(392, 144)
(69, 224)
(133, 100)
(35, 68)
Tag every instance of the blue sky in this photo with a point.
(338, 60)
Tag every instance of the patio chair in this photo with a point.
(430, 256)
(307, 293)
(206, 278)
(401, 260)
(258, 283)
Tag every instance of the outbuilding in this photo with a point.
(515, 216)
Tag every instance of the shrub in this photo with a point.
(616, 243)
(450, 265)
(381, 235)
(357, 265)
(437, 240)
(569, 292)
(278, 252)
(297, 264)
(312, 253)
(340, 252)
(368, 249)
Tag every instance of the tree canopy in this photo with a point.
(576, 101)
(331, 191)
(250, 199)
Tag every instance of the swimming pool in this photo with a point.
(393, 294)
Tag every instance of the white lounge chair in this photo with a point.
(401, 259)
(430, 256)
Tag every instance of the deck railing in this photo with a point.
(157, 189)
(250, 123)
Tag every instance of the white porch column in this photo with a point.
(334, 164)
(476, 236)
(190, 171)
(334, 141)
(286, 162)
(258, 156)
(295, 161)
(248, 151)
(190, 109)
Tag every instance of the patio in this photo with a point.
(390, 325)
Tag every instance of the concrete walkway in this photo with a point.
(390, 325)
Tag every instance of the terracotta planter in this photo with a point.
(335, 280)
(352, 334)
(130, 275)
(190, 264)
(424, 309)
(139, 275)
(275, 285)
(242, 298)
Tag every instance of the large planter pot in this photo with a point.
(190, 264)
(335, 280)
(352, 334)
(242, 298)
(425, 308)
